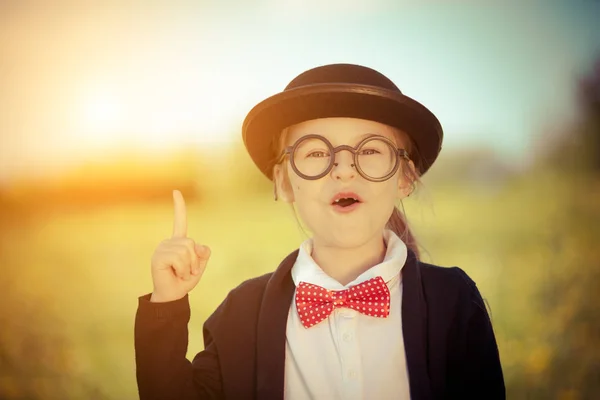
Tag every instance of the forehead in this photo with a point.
(340, 130)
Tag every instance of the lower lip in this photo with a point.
(347, 209)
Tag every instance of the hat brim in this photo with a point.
(268, 118)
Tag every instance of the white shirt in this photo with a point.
(349, 355)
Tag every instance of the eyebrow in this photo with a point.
(366, 135)
(361, 137)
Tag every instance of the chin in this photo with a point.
(344, 236)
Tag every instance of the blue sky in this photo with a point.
(492, 74)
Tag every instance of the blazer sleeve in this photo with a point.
(161, 341)
(482, 371)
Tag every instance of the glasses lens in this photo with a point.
(312, 156)
(376, 158)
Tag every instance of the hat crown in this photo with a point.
(350, 74)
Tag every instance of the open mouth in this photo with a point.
(345, 202)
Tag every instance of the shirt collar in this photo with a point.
(305, 269)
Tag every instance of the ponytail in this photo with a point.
(399, 225)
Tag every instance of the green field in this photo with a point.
(72, 276)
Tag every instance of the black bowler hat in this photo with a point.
(340, 90)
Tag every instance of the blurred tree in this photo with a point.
(589, 98)
(577, 148)
(243, 174)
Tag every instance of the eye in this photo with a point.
(369, 152)
(317, 154)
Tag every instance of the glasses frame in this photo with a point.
(290, 151)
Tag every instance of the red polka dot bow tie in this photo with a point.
(315, 303)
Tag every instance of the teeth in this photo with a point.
(338, 200)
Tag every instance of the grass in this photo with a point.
(72, 276)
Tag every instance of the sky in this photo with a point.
(81, 82)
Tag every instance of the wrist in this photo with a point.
(160, 298)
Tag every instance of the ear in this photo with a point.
(283, 189)
(405, 183)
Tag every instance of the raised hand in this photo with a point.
(177, 263)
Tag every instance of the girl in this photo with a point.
(353, 313)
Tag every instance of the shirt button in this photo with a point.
(352, 374)
(347, 337)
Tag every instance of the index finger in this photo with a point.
(180, 223)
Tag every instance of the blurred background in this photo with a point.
(107, 107)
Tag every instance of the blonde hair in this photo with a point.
(397, 222)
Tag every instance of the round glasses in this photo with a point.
(376, 158)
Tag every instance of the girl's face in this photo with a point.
(332, 224)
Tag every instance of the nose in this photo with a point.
(343, 167)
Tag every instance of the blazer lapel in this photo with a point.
(272, 322)
(414, 329)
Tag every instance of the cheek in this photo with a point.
(386, 192)
(303, 190)
(300, 189)
(307, 194)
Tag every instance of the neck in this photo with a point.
(346, 264)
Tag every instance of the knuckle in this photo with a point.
(182, 258)
(181, 269)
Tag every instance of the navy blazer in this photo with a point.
(451, 351)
